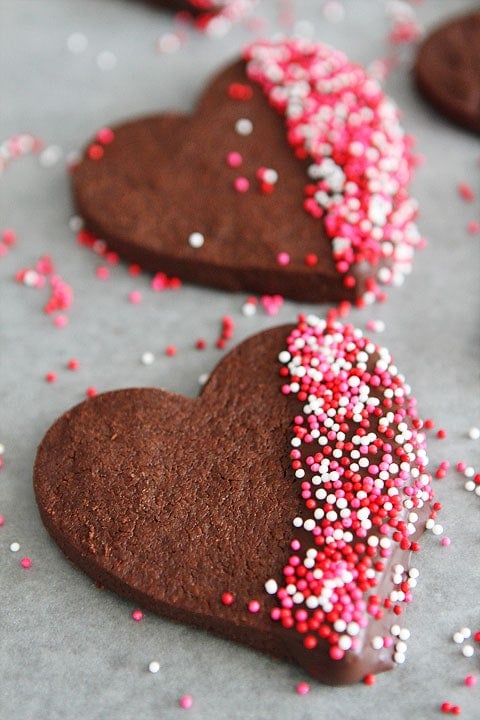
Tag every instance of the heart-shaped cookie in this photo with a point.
(279, 509)
(290, 178)
(447, 69)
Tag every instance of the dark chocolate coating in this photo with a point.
(166, 176)
(171, 502)
(447, 70)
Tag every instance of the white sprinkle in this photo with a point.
(202, 379)
(466, 632)
(244, 126)
(148, 358)
(469, 472)
(474, 433)
(15, 547)
(458, 638)
(249, 309)
(468, 651)
(77, 43)
(154, 666)
(470, 485)
(106, 60)
(399, 658)
(50, 155)
(2, 448)
(75, 223)
(168, 43)
(271, 586)
(437, 529)
(377, 642)
(196, 240)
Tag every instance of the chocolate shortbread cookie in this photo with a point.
(278, 509)
(447, 70)
(290, 178)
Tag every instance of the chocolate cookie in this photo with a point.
(447, 70)
(278, 509)
(290, 178)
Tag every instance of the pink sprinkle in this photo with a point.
(272, 303)
(137, 615)
(105, 136)
(470, 680)
(473, 227)
(465, 191)
(91, 392)
(26, 563)
(60, 321)
(303, 688)
(135, 297)
(170, 350)
(73, 364)
(2, 520)
(446, 541)
(253, 606)
(241, 184)
(283, 258)
(186, 702)
(51, 377)
(102, 272)
(45, 265)
(234, 159)
(9, 236)
(461, 466)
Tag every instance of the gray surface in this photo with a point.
(68, 650)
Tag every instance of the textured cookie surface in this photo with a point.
(278, 509)
(447, 70)
(295, 187)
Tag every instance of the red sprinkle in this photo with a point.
(170, 350)
(441, 434)
(466, 192)
(51, 377)
(370, 679)
(91, 392)
(240, 91)
(228, 598)
(73, 364)
(95, 152)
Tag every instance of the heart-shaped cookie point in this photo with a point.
(293, 170)
(446, 69)
(212, 16)
(278, 509)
